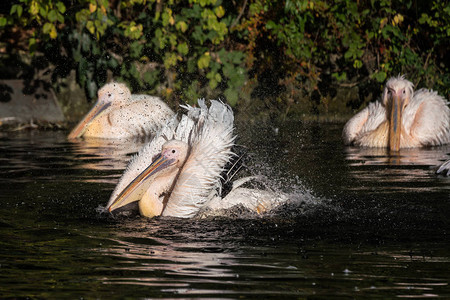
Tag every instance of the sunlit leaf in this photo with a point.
(53, 32)
(90, 26)
(182, 26)
(34, 8)
(47, 27)
(92, 7)
(220, 12)
(203, 61)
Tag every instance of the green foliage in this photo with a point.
(315, 47)
(159, 47)
(214, 48)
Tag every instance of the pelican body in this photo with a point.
(178, 176)
(178, 173)
(402, 119)
(118, 114)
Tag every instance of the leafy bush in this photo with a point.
(175, 48)
(213, 48)
(318, 46)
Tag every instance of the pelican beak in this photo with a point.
(395, 123)
(94, 113)
(136, 189)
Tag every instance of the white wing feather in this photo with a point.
(364, 122)
(210, 141)
(427, 118)
(444, 169)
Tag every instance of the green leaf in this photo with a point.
(380, 76)
(113, 63)
(31, 42)
(61, 7)
(90, 26)
(357, 64)
(183, 48)
(34, 8)
(217, 77)
(220, 12)
(52, 16)
(182, 26)
(340, 77)
(170, 60)
(213, 83)
(136, 49)
(271, 25)
(60, 18)
(43, 11)
(82, 15)
(3, 21)
(13, 9)
(232, 96)
(47, 27)
(203, 61)
(151, 77)
(19, 10)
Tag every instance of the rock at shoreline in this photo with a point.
(18, 107)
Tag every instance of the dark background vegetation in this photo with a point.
(289, 57)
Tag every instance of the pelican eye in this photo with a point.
(109, 94)
(173, 151)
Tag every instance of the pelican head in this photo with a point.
(396, 96)
(110, 96)
(155, 180)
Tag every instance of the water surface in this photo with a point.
(360, 223)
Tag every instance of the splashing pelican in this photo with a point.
(402, 119)
(180, 176)
(118, 114)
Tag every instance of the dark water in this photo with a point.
(361, 224)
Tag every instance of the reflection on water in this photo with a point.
(363, 224)
(405, 157)
(104, 155)
(190, 265)
(406, 171)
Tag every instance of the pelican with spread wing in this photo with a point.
(179, 171)
(119, 115)
(404, 118)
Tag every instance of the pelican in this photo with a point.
(402, 119)
(178, 172)
(118, 115)
(444, 169)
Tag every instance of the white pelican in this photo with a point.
(402, 119)
(118, 114)
(444, 169)
(180, 176)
